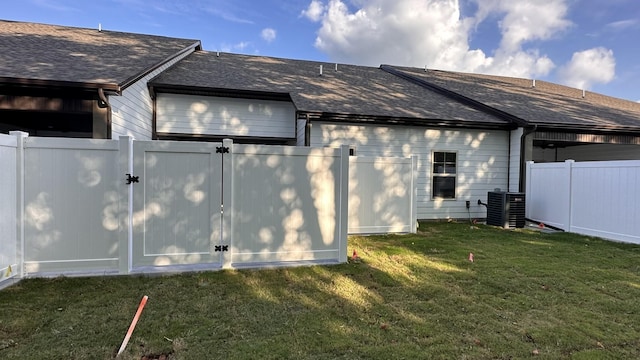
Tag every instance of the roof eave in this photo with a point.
(57, 84)
(156, 88)
(390, 120)
(630, 130)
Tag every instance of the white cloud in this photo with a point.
(268, 34)
(241, 46)
(622, 25)
(314, 11)
(525, 20)
(433, 33)
(588, 67)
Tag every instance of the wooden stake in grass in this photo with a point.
(143, 302)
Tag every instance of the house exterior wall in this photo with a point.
(220, 116)
(482, 161)
(592, 152)
(132, 113)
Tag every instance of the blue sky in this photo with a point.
(591, 44)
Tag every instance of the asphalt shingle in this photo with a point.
(547, 104)
(351, 90)
(32, 51)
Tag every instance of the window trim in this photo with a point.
(434, 175)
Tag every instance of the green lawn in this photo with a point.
(527, 294)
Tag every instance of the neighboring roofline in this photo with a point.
(404, 121)
(196, 46)
(222, 92)
(456, 96)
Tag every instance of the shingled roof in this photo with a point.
(44, 54)
(350, 92)
(548, 105)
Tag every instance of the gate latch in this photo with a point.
(221, 248)
(132, 179)
(222, 149)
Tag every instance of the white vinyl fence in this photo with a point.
(382, 195)
(596, 198)
(75, 206)
(9, 252)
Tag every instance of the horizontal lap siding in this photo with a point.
(208, 115)
(482, 159)
(132, 113)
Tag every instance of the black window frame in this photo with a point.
(444, 175)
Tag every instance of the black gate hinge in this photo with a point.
(221, 248)
(132, 179)
(222, 149)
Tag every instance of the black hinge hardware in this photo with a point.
(221, 248)
(222, 149)
(132, 179)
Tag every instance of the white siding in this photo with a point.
(209, 115)
(132, 113)
(483, 160)
(592, 152)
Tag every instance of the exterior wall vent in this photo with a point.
(506, 209)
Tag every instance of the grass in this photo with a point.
(527, 294)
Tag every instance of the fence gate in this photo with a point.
(177, 197)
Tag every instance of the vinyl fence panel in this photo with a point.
(605, 199)
(382, 193)
(549, 193)
(597, 198)
(71, 205)
(288, 204)
(176, 204)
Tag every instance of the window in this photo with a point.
(443, 175)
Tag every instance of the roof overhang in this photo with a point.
(155, 89)
(40, 86)
(402, 121)
(587, 137)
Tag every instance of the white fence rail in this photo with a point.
(67, 208)
(598, 198)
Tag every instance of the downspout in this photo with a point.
(307, 131)
(105, 103)
(523, 161)
(508, 163)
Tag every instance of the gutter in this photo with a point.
(523, 137)
(104, 103)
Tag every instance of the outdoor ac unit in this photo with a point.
(505, 209)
